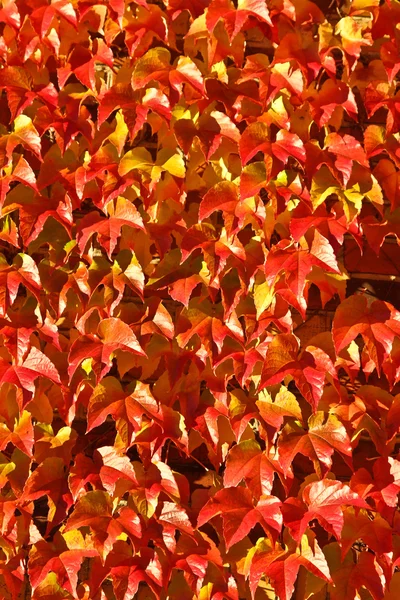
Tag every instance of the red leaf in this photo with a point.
(323, 501)
(240, 515)
(309, 370)
(377, 322)
(222, 196)
(182, 289)
(254, 139)
(246, 462)
(294, 264)
(288, 144)
(21, 436)
(347, 150)
(112, 334)
(63, 557)
(324, 436)
(282, 567)
(95, 510)
(35, 365)
(108, 230)
(50, 480)
(128, 410)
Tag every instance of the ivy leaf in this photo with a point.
(375, 533)
(282, 566)
(377, 322)
(240, 515)
(128, 410)
(112, 334)
(24, 376)
(108, 230)
(308, 370)
(318, 443)
(346, 150)
(247, 462)
(348, 576)
(388, 177)
(64, 557)
(252, 179)
(294, 264)
(25, 133)
(254, 139)
(24, 272)
(182, 289)
(274, 411)
(154, 65)
(235, 19)
(82, 63)
(95, 510)
(322, 500)
(201, 319)
(138, 158)
(222, 196)
(50, 480)
(288, 144)
(21, 435)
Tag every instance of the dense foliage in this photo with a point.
(178, 181)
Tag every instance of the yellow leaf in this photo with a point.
(50, 588)
(355, 197)
(120, 133)
(138, 158)
(87, 365)
(322, 186)
(360, 5)
(206, 592)
(154, 65)
(351, 31)
(263, 296)
(173, 163)
(285, 404)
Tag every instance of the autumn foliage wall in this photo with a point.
(179, 180)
